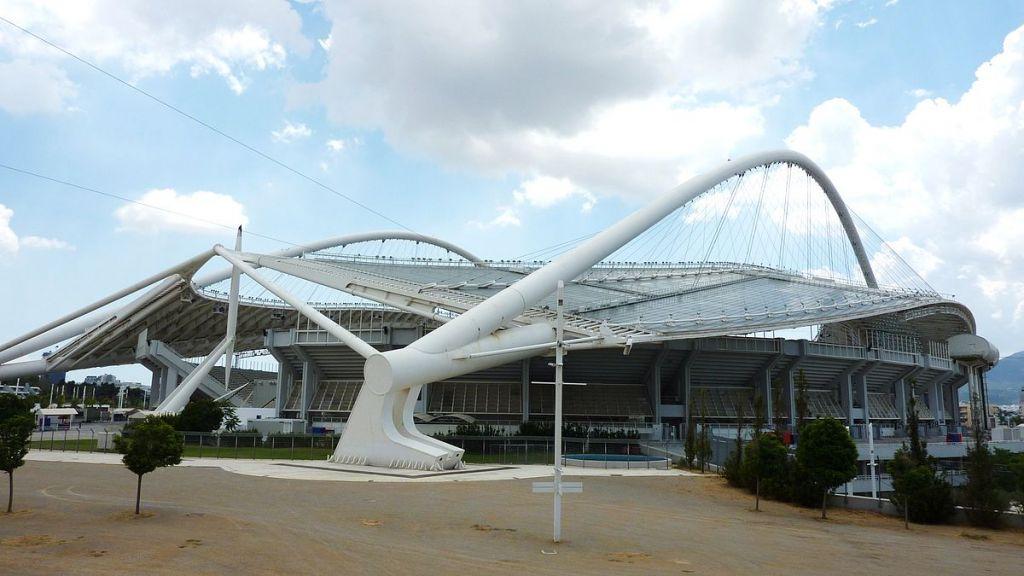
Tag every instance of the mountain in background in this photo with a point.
(1006, 380)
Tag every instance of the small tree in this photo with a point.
(983, 500)
(16, 424)
(733, 467)
(758, 423)
(200, 416)
(765, 458)
(691, 437)
(149, 445)
(704, 437)
(802, 408)
(918, 492)
(230, 421)
(827, 455)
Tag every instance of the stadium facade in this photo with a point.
(749, 282)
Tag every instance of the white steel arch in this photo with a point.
(380, 430)
(344, 240)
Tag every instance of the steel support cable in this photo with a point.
(721, 221)
(785, 217)
(208, 126)
(757, 214)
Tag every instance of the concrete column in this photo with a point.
(525, 385)
(284, 387)
(155, 386)
(170, 381)
(935, 403)
(862, 391)
(983, 392)
(764, 388)
(790, 393)
(846, 396)
(900, 391)
(684, 380)
(308, 386)
(952, 398)
(654, 382)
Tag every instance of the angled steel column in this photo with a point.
(229, 355)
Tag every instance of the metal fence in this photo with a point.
(510, 450)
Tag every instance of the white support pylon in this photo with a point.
(229, 354)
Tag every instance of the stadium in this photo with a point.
(723, 297)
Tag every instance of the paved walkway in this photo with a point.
(328, 471)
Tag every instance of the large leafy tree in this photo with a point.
(16, 424)
(149, 445)
(200, 416)
(827, 456)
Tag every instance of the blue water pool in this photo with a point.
(616, 461)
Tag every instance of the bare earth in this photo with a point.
(75, 518)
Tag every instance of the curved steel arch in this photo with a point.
(214, 277)
(747, 163)
(381, 431)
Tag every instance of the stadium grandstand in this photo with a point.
(749, 282)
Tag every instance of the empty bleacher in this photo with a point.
(882, 406)
(465, 397)
(723, 402)
(335, 395)
(822, 403)
(592, 400)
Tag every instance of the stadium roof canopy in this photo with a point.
(767, 246)
(761, 243)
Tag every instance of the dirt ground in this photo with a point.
(76, 519)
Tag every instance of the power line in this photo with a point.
(129, 200)
(210, 127)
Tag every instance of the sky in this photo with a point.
(502, 127)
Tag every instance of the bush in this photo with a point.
(982, 499)
(917, 491)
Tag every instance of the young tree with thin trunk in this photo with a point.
(827, 455)
(16, 424)
(149, 445)
(766, 459)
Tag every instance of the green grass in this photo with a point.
(58, 443)
(259, 452)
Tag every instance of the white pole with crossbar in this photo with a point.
(559, 352)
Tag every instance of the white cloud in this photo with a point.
(8, 239)
(167, 210)
(920, 93)
(326, 43)
(341, 144)
(41, 243)
(11, 244)
(291, 133)
(506, 217)
(946, 178)
(867, 23)
(230, 38)
(546, 191)
(30, 88)
(620, 98)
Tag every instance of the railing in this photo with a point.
(767, 345)
(835, 350)
(897, 356)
